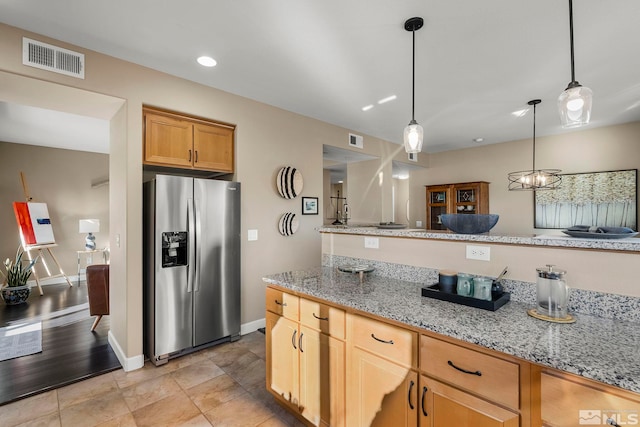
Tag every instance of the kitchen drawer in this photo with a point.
(496, 379)
(282, 303)
(391, 342)
(323, 318)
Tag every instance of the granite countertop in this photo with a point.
(605, 350)
(630, 244)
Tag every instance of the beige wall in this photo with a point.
(265, 137)
(603, 271)
(590, 150)
(63, 180)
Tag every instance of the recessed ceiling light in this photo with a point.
(387, 99)
(207, 61)
(478, 140)
(367, 107)
(520, 113)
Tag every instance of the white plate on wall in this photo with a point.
(289, 182)
(288, 224)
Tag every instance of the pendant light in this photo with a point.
(574, 103)
(413, 133)
(535, 179)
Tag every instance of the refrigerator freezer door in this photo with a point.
(217, 295)
(173, 310)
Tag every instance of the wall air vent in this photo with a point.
(52, 58)
(356, 141)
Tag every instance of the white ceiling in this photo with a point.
(476, 61)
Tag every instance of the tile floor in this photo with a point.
(219, 386)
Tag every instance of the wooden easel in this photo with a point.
(38, 249)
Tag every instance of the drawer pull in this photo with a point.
(382, 341)
(196, 156)
(300, 342)
(424, 394)
(409, 394)
(478, 373)
(284, 304)
(189, 155)
(293, 339)
(320, 318)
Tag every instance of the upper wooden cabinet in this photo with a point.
(179, 141)
(462, 198)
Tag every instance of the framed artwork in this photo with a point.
(309, 206)
(601, 199)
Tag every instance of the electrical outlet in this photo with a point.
(371, 242)
(481, 253)
(419, 224)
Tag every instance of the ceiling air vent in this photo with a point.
(52, 58)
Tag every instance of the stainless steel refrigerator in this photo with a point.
(191, 264)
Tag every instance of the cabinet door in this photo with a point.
(438, 202)
(571, 401)
(447, 406)
(322, 374)
(380, 393)
(213, 147)
(282, 357)
(168, 141)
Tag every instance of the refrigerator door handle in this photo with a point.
(192, 244)
(198, 225)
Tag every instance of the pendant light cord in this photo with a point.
(573, 74)
(534, 137)
(413, 78)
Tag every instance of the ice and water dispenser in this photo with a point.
(174, 248)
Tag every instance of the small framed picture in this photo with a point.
(309, 206)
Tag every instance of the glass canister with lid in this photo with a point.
(552, 292)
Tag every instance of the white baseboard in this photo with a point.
(247, 328)
(128, 363)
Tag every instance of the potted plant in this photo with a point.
(14, 286)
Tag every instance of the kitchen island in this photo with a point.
(603, 349)
(345, 352)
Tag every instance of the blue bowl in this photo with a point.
(469, 223)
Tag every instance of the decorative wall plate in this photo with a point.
(288, 224)
(289, 182)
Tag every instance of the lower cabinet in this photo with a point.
(380, 392)
(568, 400)
(305, 369)
(444, 406)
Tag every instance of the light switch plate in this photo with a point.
(418, 224)
(252, 235)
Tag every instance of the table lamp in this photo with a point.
(89, 226)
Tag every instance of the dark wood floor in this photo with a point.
(70, 351)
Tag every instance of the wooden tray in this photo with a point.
(433, 291)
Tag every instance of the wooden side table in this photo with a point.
(88, 258)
